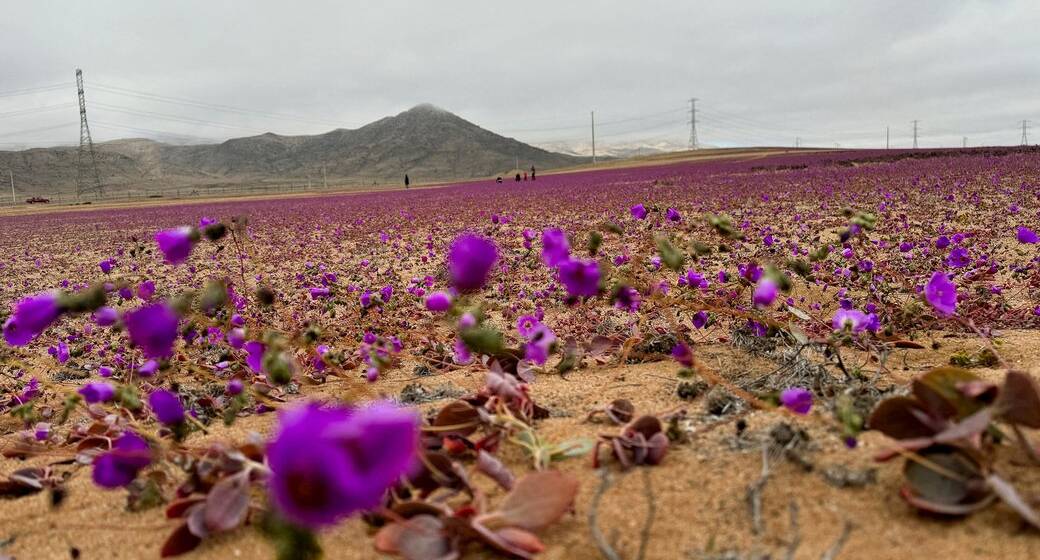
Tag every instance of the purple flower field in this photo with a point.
(466, 370)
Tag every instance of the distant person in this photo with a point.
(499, 180)
(532, 173)
(406, 181)
(525, 175)
(518, 177)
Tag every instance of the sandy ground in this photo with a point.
(699, 492)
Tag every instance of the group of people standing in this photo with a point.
(517, 178)
(408, 182)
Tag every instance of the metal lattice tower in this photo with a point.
(693, 124)
(1025, 129)
(87, 180)
(915, 132)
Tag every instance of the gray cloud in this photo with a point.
(765, 72)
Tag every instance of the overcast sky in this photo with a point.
(824, 71)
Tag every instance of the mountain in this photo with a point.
(618, 150)
(426, 142)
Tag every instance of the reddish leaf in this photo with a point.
(180, 507)
(489, 465)
(970, 426)
(939, 393)
(419, 538)
(179, 542)
(1019, 400)
(521, 539)
(898, 418)
(1011, 497)
(942, 509)
(457, 413)
(228, 503)
(537, 500)
(907, 344)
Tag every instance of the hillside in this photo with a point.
(426, 142)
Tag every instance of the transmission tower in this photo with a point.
(1025, 137)
(86, 179)
(693, 124)
(915, 132)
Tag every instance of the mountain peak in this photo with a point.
(426, 108)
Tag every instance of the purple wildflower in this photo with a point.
(1026, 235)
(106, 316)
(555, 248)
(765, 292)
(176, 243)
(438, 302)
(97, 392)
(683, 354)
(329, 463)
(580, 277)
(638, 211)
(153, 328)
(797, 400)
(31, 316)
(167, 407)
(672, 215)
(120, 466)
(941, 293)
(854, 320)
(470, 260)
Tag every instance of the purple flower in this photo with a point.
(693, 279)
(105, 371)
(120, 466)
(470, 260)
(145, 290)
(673, 215)
(855, 320)
(941, 293)
(682, 354)
(153, 328)
(31, 316)
(1026, 235)
(700, 319)
(234, 387)
(236, 338)
(942, 242)
(106, 265)
(148, 369)
(329, 463)
(797, 400)
(958, 257)
(438, 302)
(638, 211)
(526, 324)
(167, 407)
(97, 392)
(580, 277)
(106, 316)
(386, 293)
(176, 243)
(317, 293)
(255, 355)
(539, 344)
(765, 292)
(627, 298)
(555, 248)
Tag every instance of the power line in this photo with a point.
(27, 91)
(214, 106)
(173, 118)
(33, 110)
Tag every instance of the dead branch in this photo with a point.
(604, 547)
(835, 548)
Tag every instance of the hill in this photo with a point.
(426, 142)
